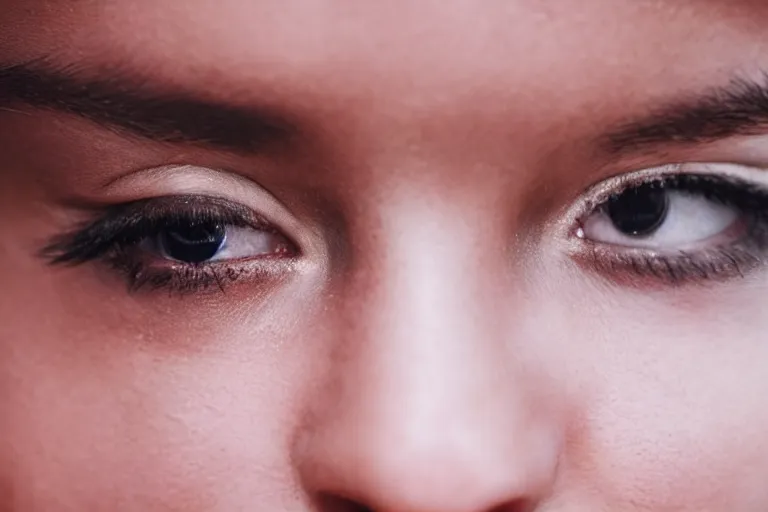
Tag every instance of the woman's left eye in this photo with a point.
(678, 227)
(655, 217)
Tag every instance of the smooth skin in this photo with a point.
(436, 349)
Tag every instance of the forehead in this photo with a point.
(404, 41)
(543, 64)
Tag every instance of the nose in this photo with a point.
(426, 407)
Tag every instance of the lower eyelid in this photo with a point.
(145, 272)
(641, 267)
(645, 270)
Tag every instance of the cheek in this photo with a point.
(178, 410)
(675, 412)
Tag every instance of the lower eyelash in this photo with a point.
(181, 278)
(677, 269)
(636, 266)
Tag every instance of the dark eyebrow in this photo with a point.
(126, 102)
(739, 108)
(134, 105)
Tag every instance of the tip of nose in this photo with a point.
(429, 477)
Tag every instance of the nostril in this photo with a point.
(335, 503)
(332, 503)
(516, 506)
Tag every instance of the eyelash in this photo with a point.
(115, 238)
(681, 267)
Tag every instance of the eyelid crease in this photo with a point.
(235, 187)
(177, 179)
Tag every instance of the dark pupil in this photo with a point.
(639, 211)
(193, 243)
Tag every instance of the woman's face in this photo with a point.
(344, 256)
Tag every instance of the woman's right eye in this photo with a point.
(184, 243)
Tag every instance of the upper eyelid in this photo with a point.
(192, 180)
(603, 189)
(236, 187)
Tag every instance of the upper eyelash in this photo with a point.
(127, 224)
(728, 190)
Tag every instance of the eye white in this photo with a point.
(242, 243)
(690, 219)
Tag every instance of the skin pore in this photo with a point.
(415, 311)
